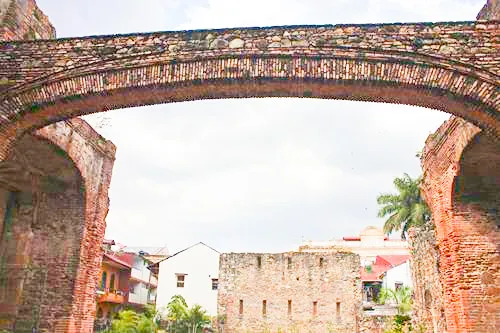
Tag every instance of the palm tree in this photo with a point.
(401, 296)
(184, 319)
(196, 317)
(405, 209)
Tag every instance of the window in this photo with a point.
(398, 285)
(241, 307)
(103, 280)
(289, 307)
(259, 261)
(215, 284)
(289, 263)
(321, 260)
(112, 283)
(132, 288)
(315, 308)
(180, 280)
(264, 308)
(338, 309)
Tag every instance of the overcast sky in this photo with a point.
(254, 174)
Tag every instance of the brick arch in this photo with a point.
(42, 232)
(75, 273)
(476, 210)
(461, 184)
(445, 66)
(380, 77)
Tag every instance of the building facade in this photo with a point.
(384, 263)
(125, 282)
(289, 292)
(370, 243)
(192, 273)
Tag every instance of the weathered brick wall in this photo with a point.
(490, 11)
(23, 20)
(40, 243)
(68, 306)
(50, 252)
(333, 282)
(94, 157)
(428, 302)
(461, 185)
(451, 67)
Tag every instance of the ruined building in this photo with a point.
(53, 202)
(289, 292)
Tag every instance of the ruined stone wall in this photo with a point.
(332, 280)
(49, 239)
(461, 186)
(23, 20)
(490, 11)
(40, 243)
(53, 256)
(428, 301)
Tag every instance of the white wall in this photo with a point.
(399, 273)
(201, 264)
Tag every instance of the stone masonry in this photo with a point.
(490, 11)
(289, 292)
(461, 184)
(23, 20)
(428, 300)
(54, 214)
(450, 66)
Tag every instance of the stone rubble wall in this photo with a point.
(490, 11)
(23, 20)
(428, 301)
(65, 255)
(334, 284)
(460, 185)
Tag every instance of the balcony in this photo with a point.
(115, 296)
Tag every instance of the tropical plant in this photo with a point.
(129, 321)
(401, 297)
(183, 319)
(405, 209)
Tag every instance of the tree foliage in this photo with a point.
(401, 297)
(129, 321)
(405, 209)
(183, 319)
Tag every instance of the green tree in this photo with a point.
(405, 209)
(401, 296)
(128, 321)
(184, 319)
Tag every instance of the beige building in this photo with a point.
(289, 292)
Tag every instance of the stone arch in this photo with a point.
(332, 73)
(43, 222)
(476, 210)
(461, 184)
(92, 157)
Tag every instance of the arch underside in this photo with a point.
(466, 92)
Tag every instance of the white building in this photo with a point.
(142, 284)
(192, 273)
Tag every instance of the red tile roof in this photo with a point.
(382, 264)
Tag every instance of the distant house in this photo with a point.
(384, 261)
(113, 286)
(388, 271)
(192, 273)
(125, 281)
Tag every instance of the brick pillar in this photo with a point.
(460, 185)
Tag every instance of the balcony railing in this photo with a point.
(110, 296)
